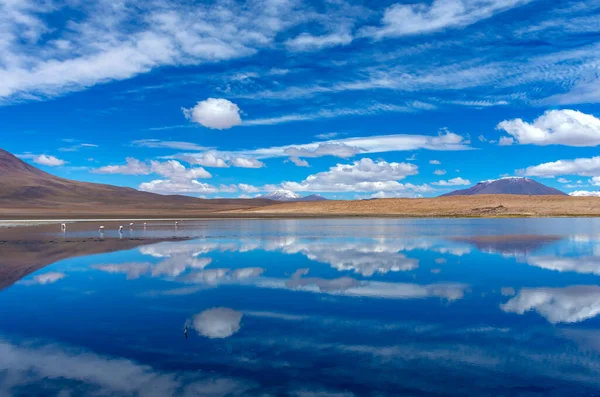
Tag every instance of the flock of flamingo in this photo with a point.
(63, 227)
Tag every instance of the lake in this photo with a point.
(354, 307)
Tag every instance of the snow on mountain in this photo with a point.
(282, 195)
(288, 195)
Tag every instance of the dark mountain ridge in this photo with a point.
(509, 185)
(25, 186)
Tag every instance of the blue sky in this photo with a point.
(344, 99)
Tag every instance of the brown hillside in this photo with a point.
(454, 206)
(26, 190)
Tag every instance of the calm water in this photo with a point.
(314, 308)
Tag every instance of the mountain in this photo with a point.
(24, 188)
(509, 185)
(282, 195)
(313, 197)
(288, 195)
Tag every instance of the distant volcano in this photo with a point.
(288, 195)
(509, 185)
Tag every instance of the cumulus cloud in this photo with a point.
(506, 141)
(362, 175)
(435, 162)
(453, 182)
(412, 19)
(50, 161)
(219, 114)
(248, 188)
(585, 193)
(246, 162)
(299, 162)
(557, 305)
(562, 180)
(187, 186)
(581, 166)
(132, 166)
(133, 270)
(217, 323)
(208, 159)
(556, 127)
(46, 278)
(581, 264)
(43, 159)
(174, 170)
(439, 172)
(348, 286)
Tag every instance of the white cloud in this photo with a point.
(562, 180)
(412, 19)
(325, 149)
(585, 193)
(217, 323)
(174, 170)
(594, 181)
(157, 143)
(348, 286)
(208, 159)
(506, 141)
(439, 172)
(215, 113)
(307, 42)
(133, 270)
(362, 175)
(435, 162)
(165, 186)
(248, 188)
(333, 113)
(556, 127)
(112, 41)
(581, 166)
(50, 161)
(42, 159)
(453, 182)
(76, 147)
(444, 141)
(327, 135)
(68, 370)
(46, 278)
(132, 167)
(299, 162)
(246, 162)
(558, 305)
(580, 264)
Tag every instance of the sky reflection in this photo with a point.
(294, 314)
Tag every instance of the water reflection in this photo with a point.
(217, 323)
(558, 305)
(279, 310)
